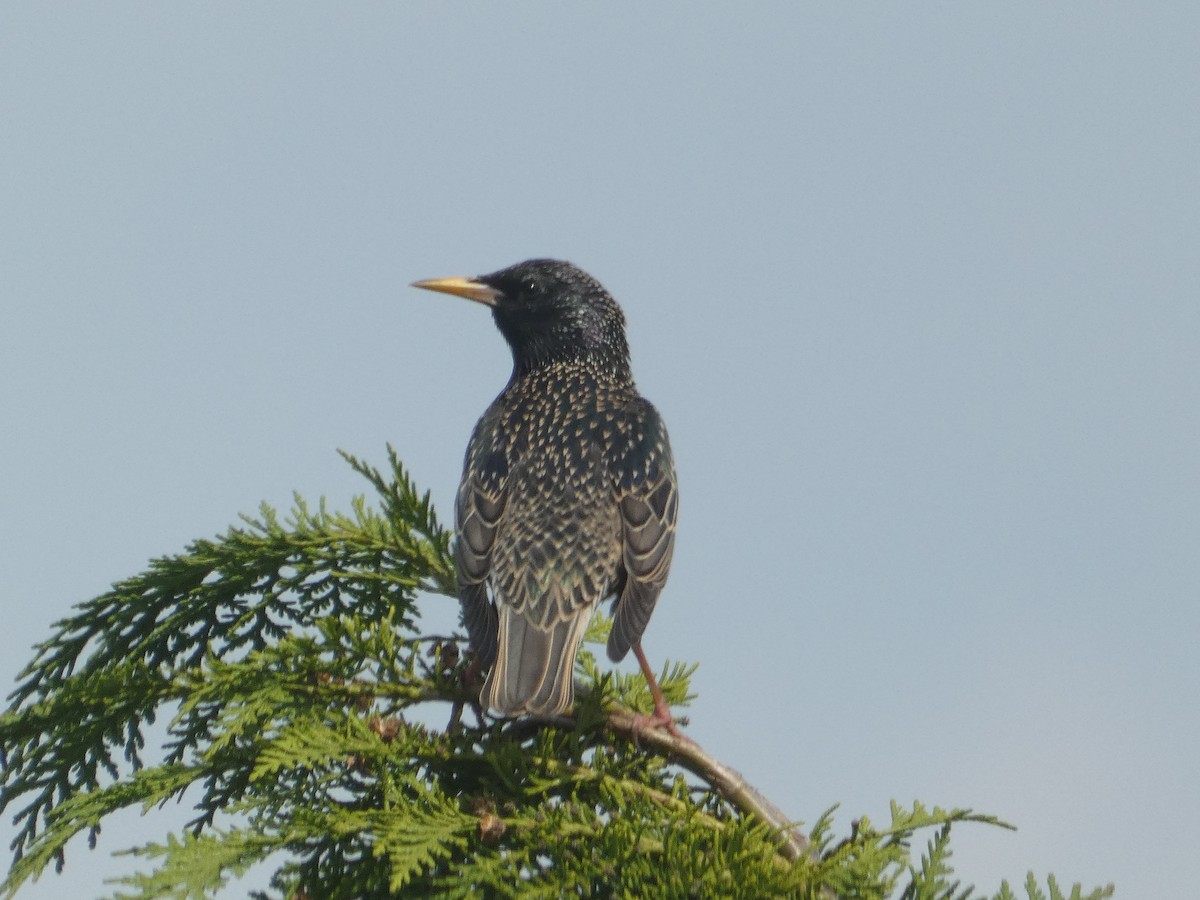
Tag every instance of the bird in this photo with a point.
(568, 496)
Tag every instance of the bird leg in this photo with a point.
(662, 717)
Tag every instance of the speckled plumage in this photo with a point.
(568, 495)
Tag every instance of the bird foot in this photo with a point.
(662, 718)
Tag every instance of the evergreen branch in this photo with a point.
(1033, 891)
(287, 659)
(105, 709)
(728, 783)
(85, 811)
(403, 502)
(196, 865)
(725, 780)
(109, 668)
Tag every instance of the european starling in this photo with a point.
(568, 494)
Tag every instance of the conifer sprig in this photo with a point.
(286, 660)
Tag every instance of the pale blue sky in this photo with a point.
(914, 288)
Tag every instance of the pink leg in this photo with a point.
(662, 717)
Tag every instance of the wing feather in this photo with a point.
(479, 511)
(648, 499)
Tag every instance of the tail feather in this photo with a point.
(534, 672)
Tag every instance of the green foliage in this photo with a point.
(287, 661)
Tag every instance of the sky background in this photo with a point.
(915, 289)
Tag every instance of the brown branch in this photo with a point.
(730, 784)
(727, 782)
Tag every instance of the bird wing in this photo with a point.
(643, 471)
(482, 498)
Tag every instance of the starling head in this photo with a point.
(549, 311)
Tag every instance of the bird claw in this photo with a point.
(662, 718)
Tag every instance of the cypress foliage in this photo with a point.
(288, 661)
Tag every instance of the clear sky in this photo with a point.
(915, 289)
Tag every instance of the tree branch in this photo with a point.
(727, 782)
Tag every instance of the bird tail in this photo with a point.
(534, 672)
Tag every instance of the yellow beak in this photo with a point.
(461, 287)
